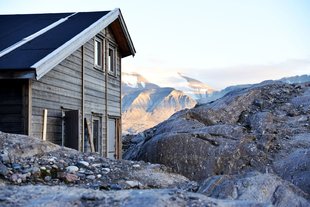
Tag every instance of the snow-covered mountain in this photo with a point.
(145, 104)
(134, 82)
(195, 88)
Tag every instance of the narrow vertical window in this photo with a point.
(96, 133)
(98, 53)
(111, 61)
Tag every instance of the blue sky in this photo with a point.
(219, 42)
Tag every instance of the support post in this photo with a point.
(44, 124)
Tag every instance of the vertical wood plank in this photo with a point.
(106, 96)
(90, 136)
(44, 124)
(83, 99)
(29, 107)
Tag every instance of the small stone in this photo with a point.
(55, 166)
(72, 169)
(99, 176)
(5, 158)
(91, 158)
(16, 166)
(52, 159)
(106, 170)
(81, 175)
(133, 183)
(91, 177)
(136, 166)
(67, 177)
(42, 168)
(96, 165)
(3, 169)
(115, 187)
(35, 171)
(83, 164)
(47, 178)
(89, 172)
(19, 180)
(14, 178)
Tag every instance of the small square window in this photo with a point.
(98, 53)
(111, 60)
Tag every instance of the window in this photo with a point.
(98, 53)
(96, 133)
(111, 60)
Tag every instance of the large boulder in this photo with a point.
(261, 128)
(254, 186)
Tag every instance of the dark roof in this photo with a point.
(16, 27)
(33, 41)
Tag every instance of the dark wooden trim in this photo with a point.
(17, 74)
(106, 95)
(120, 119)
(29, 104)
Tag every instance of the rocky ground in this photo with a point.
(25, 160)
(234, 145)
(39, 173)
(250, 148)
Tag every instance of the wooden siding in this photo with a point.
(94, 93)
(58, 90)
(13, 107)
(75, 84)
(114, 81)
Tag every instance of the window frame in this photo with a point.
(99, 143)
(100, 40)
(111, 47)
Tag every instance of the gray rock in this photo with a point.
(48, 196)
(83, 164)
(133, 183)
(72, 169)
(5, 158)
(58, 167)
(261, 128)
(3, 169)
(21, 146)
(295, 167)
(266, 188)
(91, 177)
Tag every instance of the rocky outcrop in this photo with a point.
(254, 186)
(72, 196)
(37, 173)
(26, 160)
(262, 128)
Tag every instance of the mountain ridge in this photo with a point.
(145, 104)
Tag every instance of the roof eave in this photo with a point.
(127, 35)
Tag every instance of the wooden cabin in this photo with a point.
(60, 78)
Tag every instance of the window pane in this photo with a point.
(97, 55)
(111, 60)
(96, 134)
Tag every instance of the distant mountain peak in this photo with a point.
(198, 88)
(134, 81)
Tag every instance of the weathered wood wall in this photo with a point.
(63, 88)
(60, 89)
